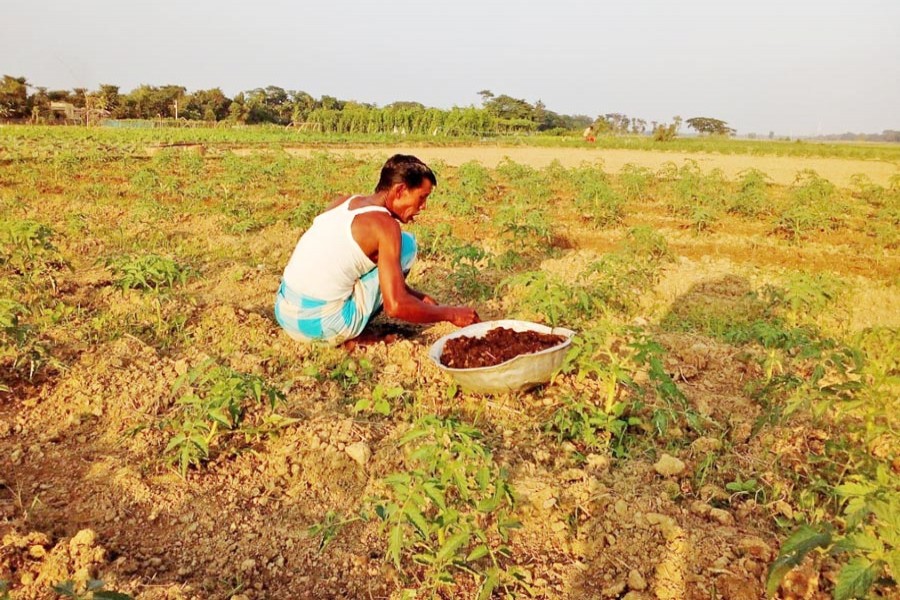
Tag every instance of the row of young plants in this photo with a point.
(847, 496)
(219, 409)
(700, 200)
(448, 514)
(41, 140)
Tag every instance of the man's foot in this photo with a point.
(368, 339)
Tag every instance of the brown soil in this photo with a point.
(496, 346)
(85, 490)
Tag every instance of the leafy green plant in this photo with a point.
(329, 528)
(21, 349)
(598, 203)
(813, 205)
(672, 403)
(475, 179)
(868, 542)
(92, 590)
(867, 191)
(27, 251)
(802, 297)
(749, 487)
(698, 196)
(525, 227)
(547, 298)
(636, 182)
(458, 204)
(380, 401)
(213, 403)
(450, 513)
(596, 353)
(591, 428)
(468, 277)
(348, 372)
(147, 272)
(435, 241)
(619, 279)
(751, 198)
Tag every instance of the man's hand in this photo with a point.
(463, 316)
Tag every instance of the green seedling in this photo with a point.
(329, 528)
(450, 512)
(21, 349)
(93, 590)
(591, 428)
(380, 402)
(868, 545)
(212, 404)
(147, 272)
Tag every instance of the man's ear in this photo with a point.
(397, 190)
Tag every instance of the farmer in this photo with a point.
(353, 261)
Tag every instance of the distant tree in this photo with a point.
(302, 104)
(638, 126)
(14, 98)
(576, 122)
(486, 95)
(206, 105)
(709, 126)
(60, 96)
(330, 103)
(237, 110)
(79, 97)
(664, 133)
(111, 99)
(40, 102)
(615, 123)
(403, 104)
(540, 115)
(509, 108)
(268, 105)
(150, 102)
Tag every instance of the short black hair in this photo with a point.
(406, 169)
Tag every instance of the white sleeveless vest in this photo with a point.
(327, 261)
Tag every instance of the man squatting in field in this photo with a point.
(353, 260)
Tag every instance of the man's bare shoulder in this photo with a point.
(377, 220)
(336, 202)
(376, 230)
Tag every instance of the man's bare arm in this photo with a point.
(401, 301)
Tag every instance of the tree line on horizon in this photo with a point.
(275, 105)
(500, 114)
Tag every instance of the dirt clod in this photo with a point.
(669, 466)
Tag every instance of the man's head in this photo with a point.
(406, 181)
(405, 169)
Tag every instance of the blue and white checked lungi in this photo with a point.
(313, 320)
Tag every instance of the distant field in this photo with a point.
(781, 169)
(726, 418)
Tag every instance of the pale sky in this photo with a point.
(791, 66)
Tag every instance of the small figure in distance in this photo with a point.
(353, 261)
(588, 134)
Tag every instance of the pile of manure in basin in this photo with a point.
(496, 346)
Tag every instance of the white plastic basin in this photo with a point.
(516, 374)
